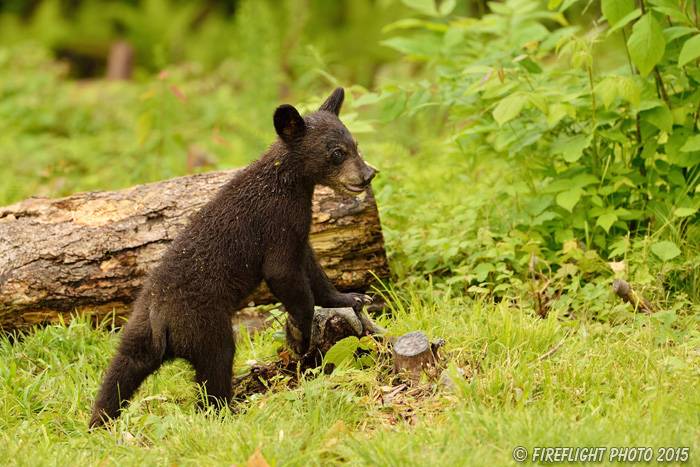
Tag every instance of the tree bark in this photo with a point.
(89, 252)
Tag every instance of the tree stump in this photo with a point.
(120, 62)
(329, 326)
(413, 354)
(89, 252)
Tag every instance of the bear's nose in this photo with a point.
(369, 173)
(368, 176)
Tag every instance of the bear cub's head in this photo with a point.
(328, 152)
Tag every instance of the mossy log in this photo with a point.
(89, 252)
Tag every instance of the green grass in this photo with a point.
(603, 387)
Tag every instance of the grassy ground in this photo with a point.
(605, 386)
(618, 379)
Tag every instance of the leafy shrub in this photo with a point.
(596, 155)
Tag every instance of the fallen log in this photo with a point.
(89, 252)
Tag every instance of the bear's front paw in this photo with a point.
(359, 300)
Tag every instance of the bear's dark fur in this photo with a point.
(257, 227)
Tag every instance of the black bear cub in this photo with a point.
(257, 227)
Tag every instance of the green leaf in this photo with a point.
(646, 44)
(537, 205)
(414, 23)
(568, 199)
(544, 217)
(355, 125)
(685, 212)
(582, 180)
(417, 47)
(482, 270)
(615, 10)
(566, 4)
(538, 101)
(606, 221)
(143, 127)
(650, 103)
(557, 111)
(670, 8)
(452, 38)
(366, 99)
(676, 145)
(692, 144)
(446, 7)
(530, 65)
(571, 147)
(661, 117)
(342, 350)
(625, 20)
(629, 90)
(427, 7)
(508, 108)
(665, 250)
(690, 50)
(607, 89)
(676, 32)
(613, 135)
(394, 106)
(418, 99)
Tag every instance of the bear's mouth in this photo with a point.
(354, 188)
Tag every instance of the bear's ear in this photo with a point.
(288, 123)
(334, 102)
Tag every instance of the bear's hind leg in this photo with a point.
(140, 354)
(213, 364)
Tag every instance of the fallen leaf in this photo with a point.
(175, 90)
(336, 430)
(618, 266)
(257, 460)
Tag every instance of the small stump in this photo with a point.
(413, 354)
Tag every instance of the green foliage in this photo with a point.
(302, 39)
(585, 154)
(61, 136)
(345, 352)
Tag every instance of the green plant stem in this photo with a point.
(627, 52)
(632, 72)
(660, 84)
(482, 7)
(594, 121)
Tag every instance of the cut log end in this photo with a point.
(413, 354)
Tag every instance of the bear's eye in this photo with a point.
(337, 157)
